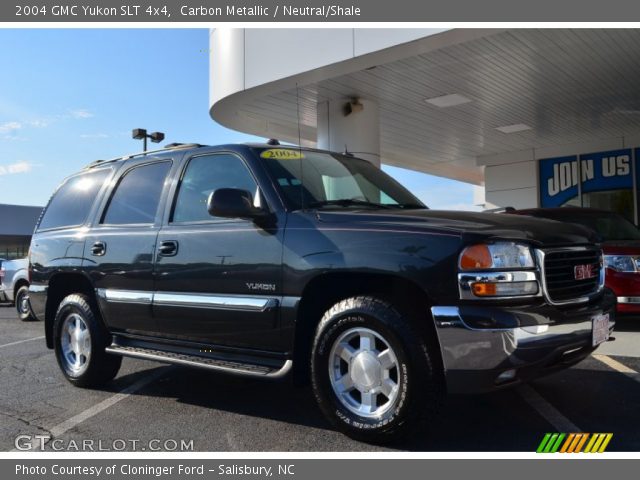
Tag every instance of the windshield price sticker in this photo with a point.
(282, 154)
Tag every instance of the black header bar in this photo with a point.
(217, 11)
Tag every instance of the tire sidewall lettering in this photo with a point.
(349, 419)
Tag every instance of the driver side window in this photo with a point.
(203, 175)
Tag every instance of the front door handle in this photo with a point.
(99, 249)
(168, 248)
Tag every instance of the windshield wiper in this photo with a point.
(346, 202)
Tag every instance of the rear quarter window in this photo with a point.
(72, 202)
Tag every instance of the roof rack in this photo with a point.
(166, 148)
(507, 209)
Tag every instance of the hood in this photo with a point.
(621, 247)
(474, 226)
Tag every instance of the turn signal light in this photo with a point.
(476, 256)
(505, 289)
(484, 289)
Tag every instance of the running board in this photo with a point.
(207, 363)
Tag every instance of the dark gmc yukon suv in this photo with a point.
(265, 260)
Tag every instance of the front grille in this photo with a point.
(560, 277)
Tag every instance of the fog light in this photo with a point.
(506, 376)
(506, 289)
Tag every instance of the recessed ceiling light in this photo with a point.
(448, 100)
(516, 127)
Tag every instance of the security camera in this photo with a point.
(353, 106)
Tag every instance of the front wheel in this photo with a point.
(23, 307)
(372, 373)
(80, 340)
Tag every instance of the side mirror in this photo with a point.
(233, 203)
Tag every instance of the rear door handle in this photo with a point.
(99, 249)
(168, 248)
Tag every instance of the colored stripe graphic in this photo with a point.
(556, 445)
(550, 443)
(567, 442)
(543, 443)
(604, 445)
(574, 443)
(581, 443)
(592, 441)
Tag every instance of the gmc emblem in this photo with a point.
(583, 272)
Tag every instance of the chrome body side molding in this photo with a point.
(192, 300)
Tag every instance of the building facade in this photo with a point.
(17, 223)
(531, 117)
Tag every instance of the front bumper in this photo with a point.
(629, 304)
(626, 286)
(480, 343)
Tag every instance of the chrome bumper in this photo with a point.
(521, 343)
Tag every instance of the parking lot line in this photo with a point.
(67, 425)
(619, 367)
(21, 341)
(550, 413)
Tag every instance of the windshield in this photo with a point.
(610, 226)
(325, 180)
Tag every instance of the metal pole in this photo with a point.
(144, 140)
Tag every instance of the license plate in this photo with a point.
(600, 331)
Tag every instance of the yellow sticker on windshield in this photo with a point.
(282, 154)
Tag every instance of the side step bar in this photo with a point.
(207, 363)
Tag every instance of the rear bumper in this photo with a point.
(526, 342)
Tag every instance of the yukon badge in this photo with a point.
(264, 287)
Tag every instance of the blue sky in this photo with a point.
(71, 96)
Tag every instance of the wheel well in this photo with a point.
(60, 286)
(326, 290)
(19, 284)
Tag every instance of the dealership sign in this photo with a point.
(597, 172)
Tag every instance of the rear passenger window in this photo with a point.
(136, 198)
(70, 205)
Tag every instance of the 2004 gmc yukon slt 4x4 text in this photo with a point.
(266, 260)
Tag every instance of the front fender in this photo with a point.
(428, 259)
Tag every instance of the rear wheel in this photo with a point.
(80, 341)
(372, 374)
(23, 307)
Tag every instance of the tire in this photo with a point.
(80, 339)
(355, 393)
(23, 308)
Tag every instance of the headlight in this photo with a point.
(496, 255)
(479, 281)
(621, 263)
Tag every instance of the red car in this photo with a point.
(620, 243)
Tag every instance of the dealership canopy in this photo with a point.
(477, 105)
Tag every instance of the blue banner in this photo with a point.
(600, 171)
(558, 180)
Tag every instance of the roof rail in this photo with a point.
(166, 148)
(507, 209)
